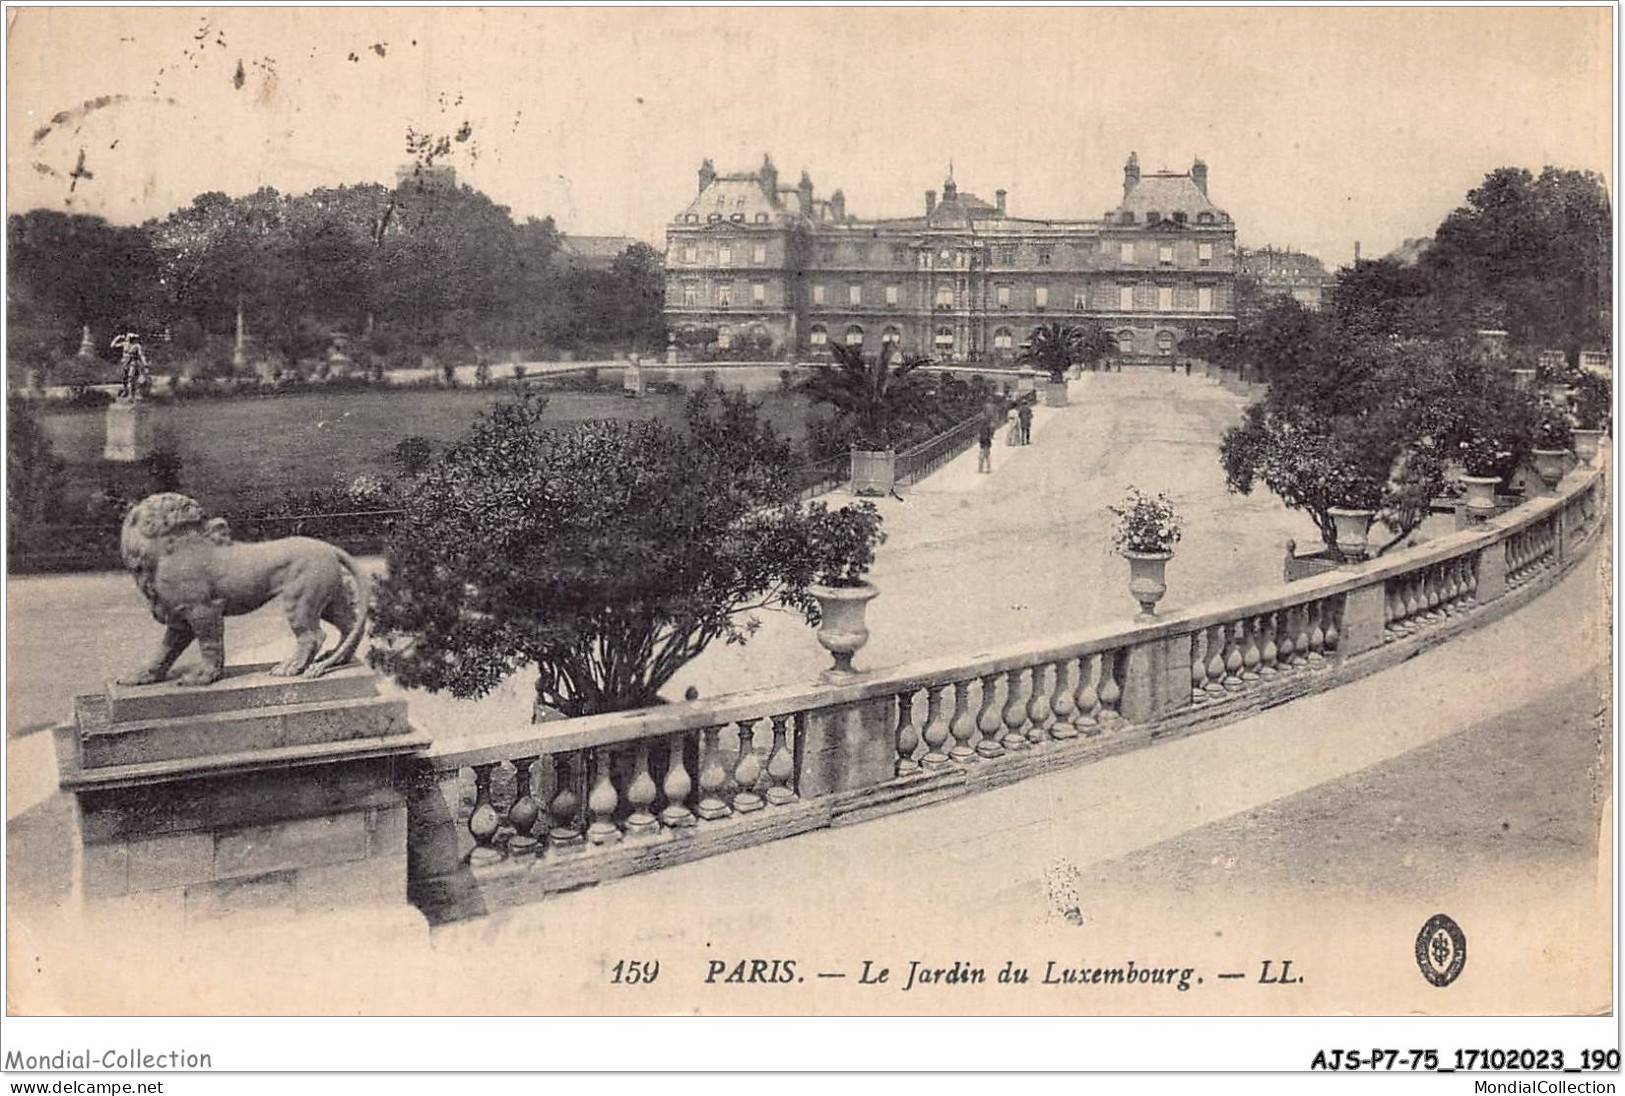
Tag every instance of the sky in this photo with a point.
(1321, 127)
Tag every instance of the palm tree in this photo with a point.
(1054, 348)
(875, 394)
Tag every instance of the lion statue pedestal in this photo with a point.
(260, 794)
(129, 431)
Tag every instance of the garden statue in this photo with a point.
(132, 365)
(193, 577)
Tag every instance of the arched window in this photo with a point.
(1125, 341)
(725, 337)
(1002, 339)
(1204, 218)
(817, 336)
(713, 218)
(944, 339)
(761, 218)
(854, 336)
(891, 337)
(758, 333)
(1165, 343)
(691, 218)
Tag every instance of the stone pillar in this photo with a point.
(1156, 679)
(129, 431)
(1363, 612)
(239, 356)
(256, 796)
(849, 747)
(1492, 572)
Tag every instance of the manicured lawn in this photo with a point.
(242, 453)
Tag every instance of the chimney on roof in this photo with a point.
(769, 176)
(837, 205)
(1199, 175)
(998, 199)
(930, 202)
(708, 174)
(1356, 251)
(804, 191)
(1131, 173)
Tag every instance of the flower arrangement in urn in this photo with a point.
(1593, 404)
(1554, 433)
(1483, 460)
(843, 543)
(1148, 527)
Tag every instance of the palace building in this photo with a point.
(786, 271)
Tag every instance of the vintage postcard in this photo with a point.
(805, 512)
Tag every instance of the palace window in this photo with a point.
(817, 336)
(691, 295)
(758, 293)
(1204, 218)
(1204, 254)
(944, 338)
(1125, 298)
(688, 254)
(1045, 255)
(945, 296)
(1003, 296)
(737, 218)
(1125, 342)
(854, 295)
(1204, 298)
(891, 294)
(691, 218)
(761, 218)
(1125, 252)
(1007, 254)
(1165, 343)
(725, 255)
(1080, 300)
(713, 218)
(1165, 254)
(1179, 218)
(1041, 297)
(758, 254)
(890, 337)
(818, 294)
(899, 255)
(826, 253)
(1127, 218)
(725, 296)
(1165, 298)
(1002, 339)
(854, 336)
(725, 336)
(1152, 217)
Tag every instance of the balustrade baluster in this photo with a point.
(524, 811)
(483, 820)
(1088, 698)
(1472, 581)
(1317, 634)
(565, 809)
(781, 764)
(1435, 579)
(991, 720)
(641, 793)
(1251, 657)
(713, 777)
(1037, 707)
(1301, 643)
(748, 770)
(1110, 693)
(962, 726)
(1391, 610)
(1015, 712)
(1286, 650)
(1061, 704)
(678, 784)
(1269, 652)
(1215, 662)
(1332, 609)
(936, 730)
(602, 800)
(908, 738)
(1408, 618)
(1232, 657)
(1198, 667)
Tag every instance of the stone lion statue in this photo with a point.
(193, 577)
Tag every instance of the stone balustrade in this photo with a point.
(546, 807)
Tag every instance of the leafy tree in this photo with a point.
(607, 554)
(1054, 348)
(877, 395)
(34, 473)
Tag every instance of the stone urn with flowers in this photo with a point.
(1553, 436)
(1593, 406)
(1148, 527)
(1482, 460)
(837, 601)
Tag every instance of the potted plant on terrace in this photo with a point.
(1553, 436)
(842, 542)
(1593, 404)
(1482, 458)
(1054, 348)
(1147, 529)
(876, 396)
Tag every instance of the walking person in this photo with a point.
(984, 442)
(1187, 367)
(1024, 417)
